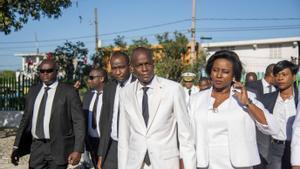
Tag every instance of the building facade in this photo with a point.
(257, 54)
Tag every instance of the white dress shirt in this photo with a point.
(266, 87)
(193, 89)
(48, 109)
(140, 93)
(95, 132)
(114, 127)
(285, 112)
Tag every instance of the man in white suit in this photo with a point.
(153, 120)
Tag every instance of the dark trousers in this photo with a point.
(279, 157)
(41, 157)
(111, 159)
(92, 147)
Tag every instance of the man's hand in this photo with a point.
(15, 156)
(99, 164)
(296, 167)
(74, 158)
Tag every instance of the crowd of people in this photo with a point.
(138, 120)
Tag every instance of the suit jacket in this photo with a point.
(109, 92)
(66, 127)
(256, 87)
(167, 118)
(86, 105)
(263, 140)
(295, 145)
(241, 129)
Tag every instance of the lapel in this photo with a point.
(87, 100)
(57, 95)
(112, 93)
(32, 97)
(269, 100)
(133, 99)
(156, 98)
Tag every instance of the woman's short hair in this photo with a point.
(231, 57)
(283, 65)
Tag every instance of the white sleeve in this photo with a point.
(272, 126)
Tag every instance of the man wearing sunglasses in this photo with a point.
(52, 128)
(92, 103)
(109, 120)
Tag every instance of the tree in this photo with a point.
(171, 63)
(120, 43)
(142, 42)
(8, 74)
(15, 13)
(68, 55)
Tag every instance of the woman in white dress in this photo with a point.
(224, 117)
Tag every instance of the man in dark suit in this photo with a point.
(109, 120)
(265, 85)
(275, 149)
(92, 103)
(52, 128)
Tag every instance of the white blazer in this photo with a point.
(168, 119)
(295, 145)
(241, 129)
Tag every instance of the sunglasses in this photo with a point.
(93, 77)
(46, 70)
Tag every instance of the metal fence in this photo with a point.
(13, 91)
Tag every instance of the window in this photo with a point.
(275, 51)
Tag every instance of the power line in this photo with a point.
(248, 19)
(262, 28)
(155, 26)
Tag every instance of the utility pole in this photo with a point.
(36, 43)
(193, 30)
(96, 29)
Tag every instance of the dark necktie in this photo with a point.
(270, 88)
(121, 85)
(94, 113)
(190, 91)
(145, 110)
(41, 114)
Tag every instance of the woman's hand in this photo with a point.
(241, 95)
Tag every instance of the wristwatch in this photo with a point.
(248, 102)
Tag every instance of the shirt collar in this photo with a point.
(151, 85)
(52, 86)
(265, 83)
(126, 82)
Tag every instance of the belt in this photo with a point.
(42, 140)
(274, 141)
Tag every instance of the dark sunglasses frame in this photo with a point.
(93, 77)
(46, 70)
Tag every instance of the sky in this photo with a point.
(221, 20)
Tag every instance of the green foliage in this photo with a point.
(173, 50)
(120, 43)
(15, 13)
(8, 74)
(142, 42)
(65, 56)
